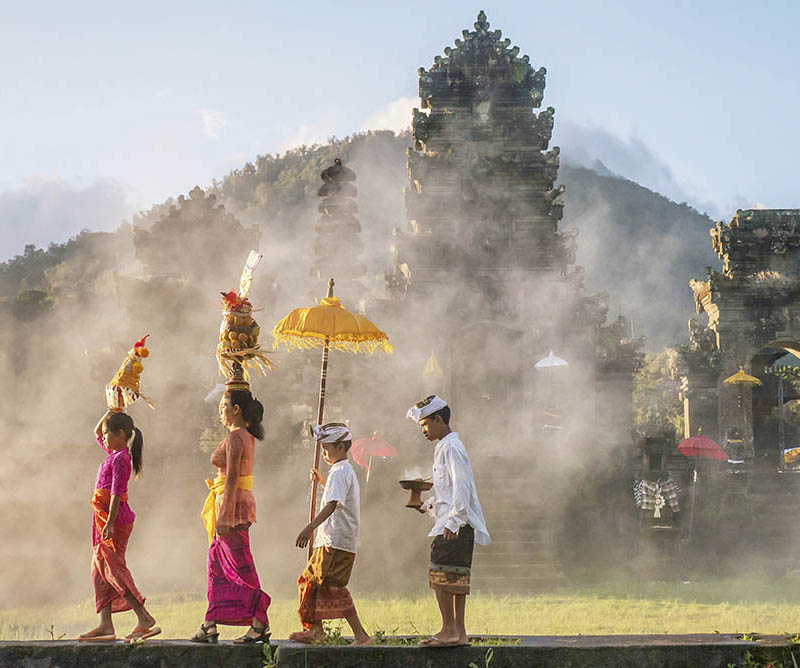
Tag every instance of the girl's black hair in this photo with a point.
(252, 411)
(122, 421)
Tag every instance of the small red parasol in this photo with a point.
(364, 449)
(374, 446)
(701, 446)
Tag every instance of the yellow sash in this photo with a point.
(215, 487)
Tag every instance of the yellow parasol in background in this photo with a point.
(741, 378)
(328, 325)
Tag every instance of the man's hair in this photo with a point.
(443, 413)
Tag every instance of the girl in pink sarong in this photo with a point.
(114, 588)
(235, 597)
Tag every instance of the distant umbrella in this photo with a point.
(432, 368)
(550, 361)
(364, 449)
(701, 446)
(741, 378)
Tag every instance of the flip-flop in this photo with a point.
(141, 636)
(110, 637)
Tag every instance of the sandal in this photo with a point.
(204, 636)
(263, 636)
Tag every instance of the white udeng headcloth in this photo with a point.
(333, 432)
(425, 407)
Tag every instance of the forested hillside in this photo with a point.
(635, 244)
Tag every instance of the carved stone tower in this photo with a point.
(338, 244)
(481, 190)
(753, 309)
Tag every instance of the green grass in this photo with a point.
(729, 606)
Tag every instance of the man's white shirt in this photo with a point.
(455, 496)
(340, 530)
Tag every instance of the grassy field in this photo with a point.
(730, 606)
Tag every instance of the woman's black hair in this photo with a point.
(252, 411)
(122, 421)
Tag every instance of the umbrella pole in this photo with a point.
(323, 376)
(369, 468)
(694, 494)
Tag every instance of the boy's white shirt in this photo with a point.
(455, 496)
(340, 530)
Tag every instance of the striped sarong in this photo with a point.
(323, 586)
(234, 591)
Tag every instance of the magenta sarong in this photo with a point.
(234, 592)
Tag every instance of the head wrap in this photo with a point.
(425, 407)
(333, 432)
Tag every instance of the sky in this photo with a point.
(106, 108)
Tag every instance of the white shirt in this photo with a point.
(340, 530)
(455, 497)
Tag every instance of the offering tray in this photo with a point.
(416, 487)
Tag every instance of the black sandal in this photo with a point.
(263, 636)
(203, 636)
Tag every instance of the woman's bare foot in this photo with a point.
(308, 637)
(145, 623)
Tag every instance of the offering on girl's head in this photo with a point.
(123, 390)
(238, 331)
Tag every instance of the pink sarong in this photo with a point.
(234, 591)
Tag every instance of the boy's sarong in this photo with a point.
(234, 591)
(323, 586)
(110, 575)
(451, 561)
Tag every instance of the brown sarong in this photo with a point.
(323, 586)
(451, 562)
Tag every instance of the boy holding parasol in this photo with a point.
(459, 522)
(323, 583)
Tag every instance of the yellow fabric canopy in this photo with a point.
(308, 327)
(741, 378)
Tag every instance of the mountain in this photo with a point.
(633, 243)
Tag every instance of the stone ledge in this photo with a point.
(675, 651)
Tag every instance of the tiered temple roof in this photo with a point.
(481, 180)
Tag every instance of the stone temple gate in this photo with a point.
(753, 309)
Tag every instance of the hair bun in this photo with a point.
(255, 412)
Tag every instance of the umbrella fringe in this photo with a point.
(348, 343)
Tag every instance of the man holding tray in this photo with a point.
(458, 524)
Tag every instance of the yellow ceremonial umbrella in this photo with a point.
(741, 378)
(328, 325)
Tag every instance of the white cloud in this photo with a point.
(305, 135)
(41, 211)
(395, 116)
(213, 122)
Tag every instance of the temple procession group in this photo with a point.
(235, 596)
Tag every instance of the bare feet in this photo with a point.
(362, 642)
(445, 639)
(308, 637)
(98, 631)
(102, 632)
(146, 622)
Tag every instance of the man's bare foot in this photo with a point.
(442, 639)
(98, 631)
(362, 642)
(308, 637)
